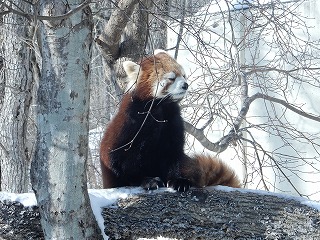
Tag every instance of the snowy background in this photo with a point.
(303, 174)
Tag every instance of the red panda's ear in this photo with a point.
(132, 70)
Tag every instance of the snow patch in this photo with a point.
(100, 198)
(26, 199)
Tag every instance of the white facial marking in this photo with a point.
(170, 76)
(178, 89)
(171, 85)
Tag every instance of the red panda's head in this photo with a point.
(157, 76)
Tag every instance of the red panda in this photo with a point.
(143, 144)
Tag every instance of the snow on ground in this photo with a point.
(26, 199)
(106, 197)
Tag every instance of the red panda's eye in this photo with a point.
(172, 79)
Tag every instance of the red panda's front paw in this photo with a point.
(150, 183)
(180, 184)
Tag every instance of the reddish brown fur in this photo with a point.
(152, 69)
(109, 139)
(203, 170)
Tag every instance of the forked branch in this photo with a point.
(110, 37)
(235, 132)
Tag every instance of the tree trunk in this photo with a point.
(210, 214)
(15, 100)
(58, 170)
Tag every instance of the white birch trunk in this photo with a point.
(58, 170)
(15, 99)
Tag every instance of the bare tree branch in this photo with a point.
(285, 104)
(181, 28)
(233, 134)
(219, 146)
(110, 37)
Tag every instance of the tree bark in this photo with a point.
(15, 99)
(197, 214)
(59, 167)
(210, 214)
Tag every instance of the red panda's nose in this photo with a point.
(185, 86)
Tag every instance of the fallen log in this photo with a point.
(211, 214)
(197, 214)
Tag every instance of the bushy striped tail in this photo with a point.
(203, 170)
